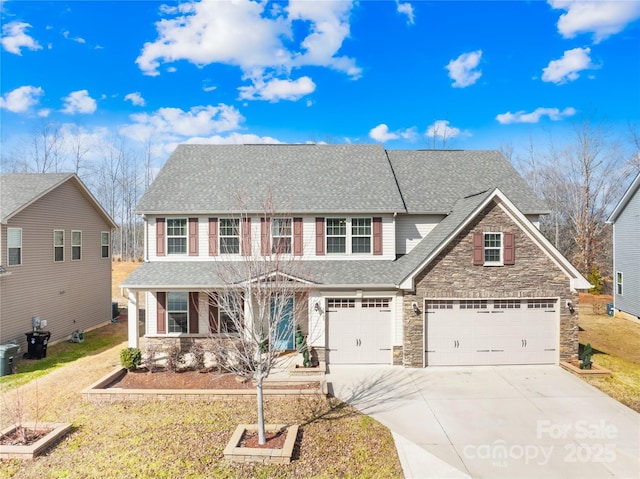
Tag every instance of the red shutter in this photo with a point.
(297, 236)
(265, 233)
(161, 319)
(320, 236)
(193, 236)
(478, 249)
(193, 313)
(246, 236)
(509, 248)
(160, 231)
(377, 236)
(213, 236)
(213, 314)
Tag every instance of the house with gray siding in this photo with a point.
(626, 252)
(55, 256)
(415, 258)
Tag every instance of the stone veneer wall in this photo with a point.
(452, 275)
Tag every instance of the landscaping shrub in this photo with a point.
(130, 358)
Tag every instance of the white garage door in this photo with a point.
(475, 332)
(359, 331)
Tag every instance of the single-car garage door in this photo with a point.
(359, 330)
(491, 331)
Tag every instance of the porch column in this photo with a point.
(133, 329)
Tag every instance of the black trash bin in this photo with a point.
(37, 344)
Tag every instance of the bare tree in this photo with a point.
(47, 152)
(264, 298)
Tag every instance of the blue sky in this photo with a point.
(408, 74)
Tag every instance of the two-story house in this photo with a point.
(416, 258)
(626, 252)
(55, 252)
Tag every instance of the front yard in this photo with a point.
(179, 439)
(616, 344)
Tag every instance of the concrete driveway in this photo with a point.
(495, 422)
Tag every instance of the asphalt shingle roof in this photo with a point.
(299, 179)
(19, 189)
(432, 181)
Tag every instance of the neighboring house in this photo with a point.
(417, 258)
(626, 252)
(55, 252)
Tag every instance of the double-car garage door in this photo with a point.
(477, 332)
(359, 330)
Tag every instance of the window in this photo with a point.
(336, 235)
(473, 304)
(104, 243)
(361, 235)
(619, 283)
(439, 304)
(76, 245)
(341, 303)
(281, 235)
(178, 311)
(14, 246)
(229, 236)
(375, 303)
(176, 236)
(58, 245)
(231, 312)
(506, 304)
(541, 303)
(493, 248)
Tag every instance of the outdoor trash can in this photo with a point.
(610, 309)
(7, 355)
(37, 344)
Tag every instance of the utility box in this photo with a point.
(8, 353)
(37, 344)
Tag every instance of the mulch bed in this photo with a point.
(17, 438)
(142, 379)
(274, 440)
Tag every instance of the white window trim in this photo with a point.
(168, 311)
(348, 235)
(485, 248)
(108, 244)
(14, 247)
(289, 236)
(185, 236)
(58, 246)
(619, 284)
(221, 313)
(73, 245)
(221, 250)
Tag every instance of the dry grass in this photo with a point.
(119, 272)
(616, 343)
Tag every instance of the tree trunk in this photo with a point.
(261, 435)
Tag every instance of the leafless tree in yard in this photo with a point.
(263, 298)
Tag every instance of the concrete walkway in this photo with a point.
(495, 422)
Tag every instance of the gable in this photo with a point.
(627, 201)
(510, 220)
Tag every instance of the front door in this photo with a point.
(282, 313)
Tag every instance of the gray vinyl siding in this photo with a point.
(70, 295)
(627, 256)
(411, 229)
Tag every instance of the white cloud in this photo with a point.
(177, 123)
(135, 98)
(275, 90)
(602, 18)
(14, 38)
(406, 9)
(463, 69)
(21, 99)
(568, 67)
(382, 134)
(68, 36)
(79, 102)
(441, 129)
(535, 116)
(258, 39)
